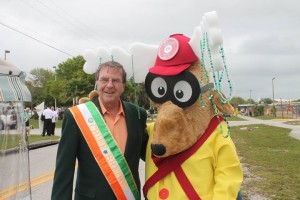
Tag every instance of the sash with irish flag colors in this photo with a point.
(105, 150)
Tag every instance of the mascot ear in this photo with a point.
(83, 100)
(93, 94)
(226, 108)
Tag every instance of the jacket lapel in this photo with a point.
(131, 128)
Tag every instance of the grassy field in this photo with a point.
(11, 141)
(295, 123)
(35, 123)
(235, 118)
(36, 138)
(271, 162)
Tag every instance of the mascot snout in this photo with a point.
(171, 127)
(158, 149)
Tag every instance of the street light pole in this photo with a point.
(5, 52)
(273, 89)
(274, 110)
(250, 97)
(55, 81)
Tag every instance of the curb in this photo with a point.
(32, 146)
(43, 143)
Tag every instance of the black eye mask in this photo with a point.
(182, 89)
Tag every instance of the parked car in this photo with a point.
(8, 119)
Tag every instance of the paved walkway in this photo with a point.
(295, 129)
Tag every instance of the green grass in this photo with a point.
(235, 118)
(14, 140)
(266, 117)
(11, 141)
(272, 159)
(231, 118)
(295, 123)
(35, 123)
(36, 138)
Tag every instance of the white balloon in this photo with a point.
(214, 50)
(212, 19)
(103, 55)
(144, 56)
(124, 58)
(215, 37)
(89, 68)
(218, 62)
(195, 41)
(91, 61)
(207, 61)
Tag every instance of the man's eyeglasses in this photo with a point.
(114, 81)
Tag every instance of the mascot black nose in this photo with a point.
(158, 149)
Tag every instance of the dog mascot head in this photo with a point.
(180, 89)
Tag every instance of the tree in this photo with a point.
(72, 82)
(40, 76)
(265, 101)
(136, 93)
(38, 85)
(235, 101)
(250, 101)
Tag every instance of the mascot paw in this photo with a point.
(93, 94)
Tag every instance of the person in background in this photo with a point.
(107, 136)
(48, 121)
(27, 118)
(2, 123)
(54, 120)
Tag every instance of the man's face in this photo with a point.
(110, 85)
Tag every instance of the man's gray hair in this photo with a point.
(114, 65)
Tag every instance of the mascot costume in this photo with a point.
(190, 154)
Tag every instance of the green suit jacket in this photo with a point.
(90, 182)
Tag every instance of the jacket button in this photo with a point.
(164, 193)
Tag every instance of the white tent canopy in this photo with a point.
(14, 153)
(12, 83)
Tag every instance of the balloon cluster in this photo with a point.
(141, 57)
(206, 42)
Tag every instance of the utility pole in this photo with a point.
(274, 110)
(55, 81)
(5, 52)
(250, 97)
